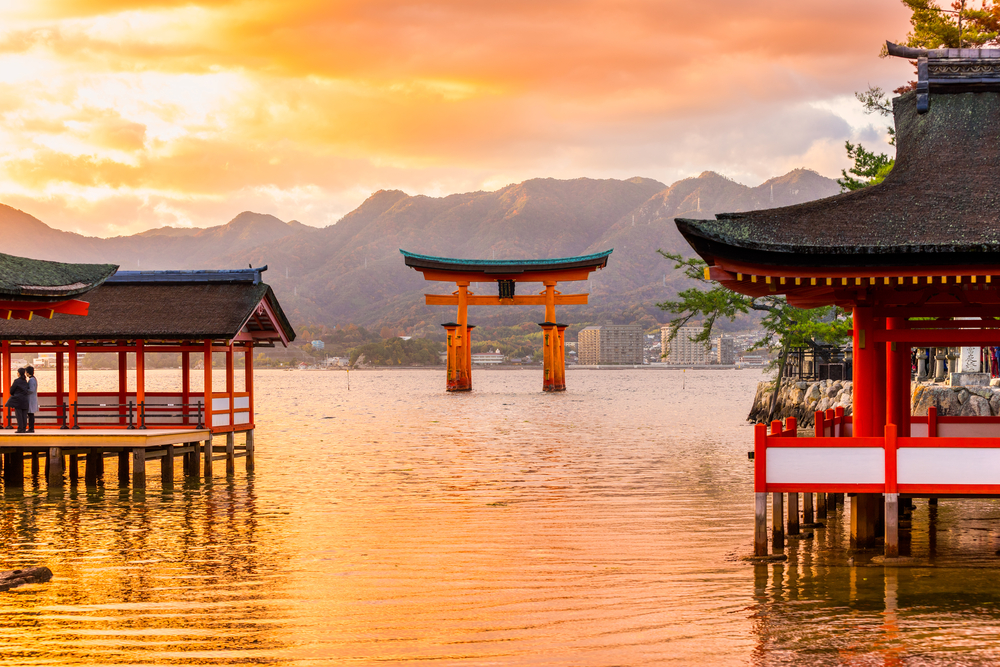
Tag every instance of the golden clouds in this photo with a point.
(191, 102)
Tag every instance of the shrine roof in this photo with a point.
(505, 266)
(131, 307)
(939, 205)
(41, 280)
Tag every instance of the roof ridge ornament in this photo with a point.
(950, 70)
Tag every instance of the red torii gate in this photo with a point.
(506, 273)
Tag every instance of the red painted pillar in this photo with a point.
(6, 379)
(881, 382)
(549, 334)
(897, 373)
(60, 386)
(248, 381)
(185, 385)
(122, 383)
(140, 381)
(864, 359)
(561, 357)
(72, 383)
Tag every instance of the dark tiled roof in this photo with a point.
(155, 311)
(42, 280)
(939, 205)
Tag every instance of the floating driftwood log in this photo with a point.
(31, 575)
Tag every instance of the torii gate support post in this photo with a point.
(561, 354)
(460, 344)
(554, 378)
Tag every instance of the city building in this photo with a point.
(610, 344)
(725, 350)
(487, 357)
(683, 350)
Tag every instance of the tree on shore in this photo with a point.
(784, 326)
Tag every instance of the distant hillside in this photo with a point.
(352, 271)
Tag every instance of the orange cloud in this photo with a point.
(184, 103)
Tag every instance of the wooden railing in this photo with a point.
(952, 455)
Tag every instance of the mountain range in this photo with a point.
(352, 272)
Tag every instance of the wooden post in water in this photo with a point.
(820, 506)
(139, 468)
(167, 469)
(230, 454)
(793, 514)
(34, 465)
(760, 525)
(208, 457)
(891, 507)
(250, 461)
(123, 471)
(807, 508)
(74, 469)
(55, 477)
(777, 522)
(90, 471)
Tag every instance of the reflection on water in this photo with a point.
(396, 522)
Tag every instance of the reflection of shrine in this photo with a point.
(506, 274)
(916, 259)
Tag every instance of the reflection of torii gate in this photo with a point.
(506, 273)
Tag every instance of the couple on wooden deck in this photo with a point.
(24, 399)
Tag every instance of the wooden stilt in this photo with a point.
(90, 469)
(864, 513)
(807, 508)
(14, 473)
(793, 514)
(167, 469)
(230, 454)
(207, 450)
(55, 465)
(123, 471)
(932, 502)
(760, 525)
(777, 523)
(892, 525)
(194, 461)
(250, 461)
(138, 468)
(820, 506)
(34, 465)
(74, 469)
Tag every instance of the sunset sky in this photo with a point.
(121, 115)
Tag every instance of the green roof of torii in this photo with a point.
(505, 266)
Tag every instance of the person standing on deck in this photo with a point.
(32, 398)
(19, 399)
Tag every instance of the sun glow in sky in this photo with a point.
(121, 115)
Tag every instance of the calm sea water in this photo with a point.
(395, 522)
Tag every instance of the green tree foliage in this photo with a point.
(784, 326)
(870, 168)
(965, 25)
(399, 352)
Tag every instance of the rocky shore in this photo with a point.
(801, 399)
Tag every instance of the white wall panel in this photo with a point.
(941, 465)
(825, 465)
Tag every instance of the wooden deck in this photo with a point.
(61, 449)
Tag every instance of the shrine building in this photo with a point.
(916, 261)
(199, 316)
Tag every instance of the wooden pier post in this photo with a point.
(793, 514)
(207, 449)
(230, 454)
(820, 506)
(167, 468)
(892, 525)
(192, 462)
(777, 523)
(123, 471)
(74, 469)
(760, 525)
(90, 471)
(13, 469)
(55, 476)
(250, 461)
(34, 465)
(807, 509)
(139, 468)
